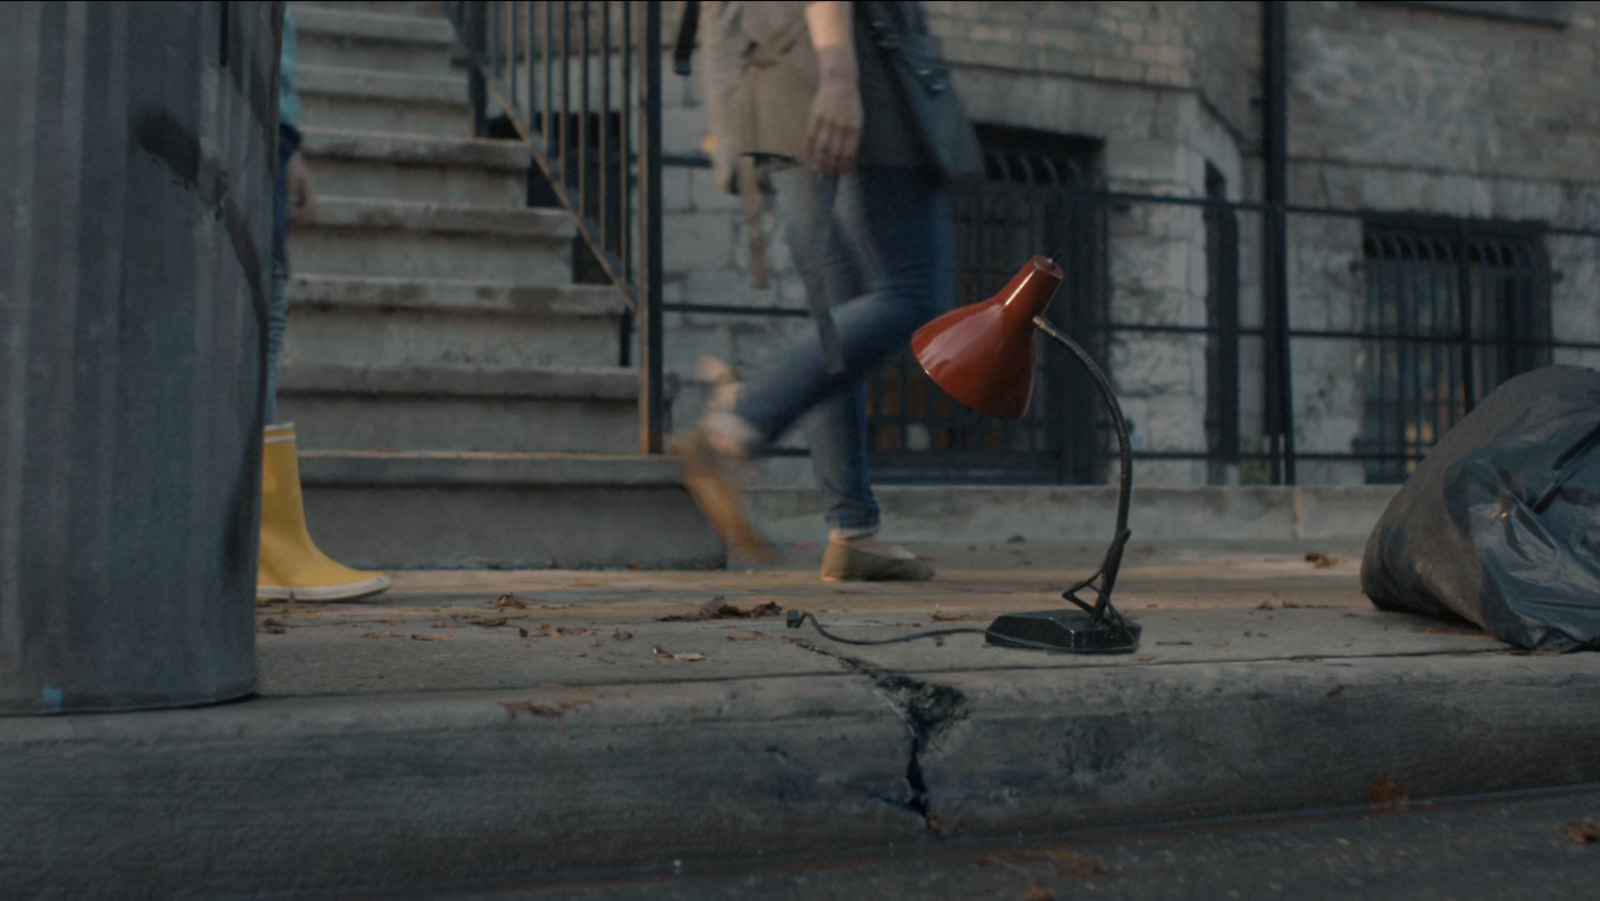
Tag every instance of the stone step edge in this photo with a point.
(340, 212)
(374, 27)
(357, 292)
(1341, 517)
(464, 469)
(564, 383)
(376, 85)
(408, 149)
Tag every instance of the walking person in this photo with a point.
(812, 99)
(291, 565)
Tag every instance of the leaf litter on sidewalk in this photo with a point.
(719, 608)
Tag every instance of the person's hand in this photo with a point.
(302, 193)
(834, 132)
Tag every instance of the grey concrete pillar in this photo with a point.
(135, 250)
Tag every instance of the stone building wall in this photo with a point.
(1393, 107)
(1412, 108)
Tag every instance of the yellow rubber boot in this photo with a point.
(291, 565)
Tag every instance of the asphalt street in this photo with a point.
(1541, 845)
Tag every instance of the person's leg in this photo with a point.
(836, 429)
(278, 310)
(896, 227)
(290, 565)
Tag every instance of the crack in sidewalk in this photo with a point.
(927, 710)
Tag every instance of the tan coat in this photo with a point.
(760, 78)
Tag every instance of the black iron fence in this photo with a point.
(1260, 343)
(580, 84)
(1396, 326)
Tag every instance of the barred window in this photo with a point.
(1453, 309)
(1042, 196)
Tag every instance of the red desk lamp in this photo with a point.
(983, 356)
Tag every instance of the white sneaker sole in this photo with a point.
(346, 592)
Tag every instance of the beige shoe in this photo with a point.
(869, 559)
(714, 480)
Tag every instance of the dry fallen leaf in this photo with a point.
(1079, 864)
(432, 636)
(1321, 560)
(389, 634)
(718, 608)
(1385, 793)
(1038, 893)
(1145, 658)
(516, 707)
(1065, 861)
(548, 631)
(472, 619)
(509, 600)
(620, 635)
(748, 636)
(1334, 692)
(273, 627)
(954, 617)
(522, 632)
(686, 657)
(1582, 832)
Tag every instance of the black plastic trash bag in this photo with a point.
(1500, 523)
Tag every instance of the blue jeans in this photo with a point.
(278, 310)
(878, 243)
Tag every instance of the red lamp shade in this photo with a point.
(982, 354)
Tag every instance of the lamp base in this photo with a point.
(1067, 631)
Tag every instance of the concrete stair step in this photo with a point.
(391, 165)
(468, 408)
(355, 236)
(428, 8)
(362, 99)
(384, 41)
(421, 510)
(387, 321)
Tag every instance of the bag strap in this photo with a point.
(688, 27)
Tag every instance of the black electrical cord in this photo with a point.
(1101, 612)
(797, 619)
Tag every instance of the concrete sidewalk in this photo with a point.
(468, 726)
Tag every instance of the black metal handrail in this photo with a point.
(580, 84)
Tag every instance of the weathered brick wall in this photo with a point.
(1410, 109)
(1392, 108)
(1417, 88)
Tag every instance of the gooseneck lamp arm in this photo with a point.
(1104, 580)
(983, 355)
